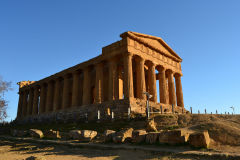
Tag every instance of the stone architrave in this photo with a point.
(30, 102)
(179, 91)
(99, 83)
(128, 76)
(35, 100)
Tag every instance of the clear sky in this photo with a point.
(41, 37)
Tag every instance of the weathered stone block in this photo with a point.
(36, 133)
(87, 135)
(138, 136)
(199, 139)
(74, 134)
(52, 134)
(173, 137)
(108, 135)
(152, 137)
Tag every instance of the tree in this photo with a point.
(4, 87)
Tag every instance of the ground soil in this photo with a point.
(15, 150)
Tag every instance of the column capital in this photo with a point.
(176, 74)
(140, 59)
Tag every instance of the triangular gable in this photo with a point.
(153, 42)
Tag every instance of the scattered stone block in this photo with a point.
(36, 133)
(138, 136)
(199, 139)
(173, 137)
(74, 134)
(87, 135)
(52, 134)
(108, 135)
(151, 126)
(123, 135)
(19, 133)
(152, 137)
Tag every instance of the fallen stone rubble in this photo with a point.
(127, 135)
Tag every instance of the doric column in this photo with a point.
(35, 100)
(112, 79)
(119, 94)
(99, 83)
(30, 102)
(75, 89)
(162, 85)
(179, 91)
(128, 76)
(172, 95)
(20, 104)
(86, 87)
(140, 74)
(43, 96)
(50, 93)
(152, 82)
(56, 100)
(24, 105)
(66, 90)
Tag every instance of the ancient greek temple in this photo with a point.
(114, 81)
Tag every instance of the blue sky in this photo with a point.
(39, 38)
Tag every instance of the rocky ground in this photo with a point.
(15, 150)
(223, 132)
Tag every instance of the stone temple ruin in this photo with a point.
(111, 82)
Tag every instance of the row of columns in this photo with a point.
(74, 91)
(168, 93)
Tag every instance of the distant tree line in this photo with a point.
(4, 87)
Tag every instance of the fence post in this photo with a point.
(225, 113)
(216, 112)
(205, 111)
(161, 109)
(191, 109)
(129, 113)
(98, 116)
(172, 108)
(86, 118)
(198, 112)
(112, 116)
(211, 112)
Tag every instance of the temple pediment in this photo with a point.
(153, 42)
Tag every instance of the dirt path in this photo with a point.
(17, 150)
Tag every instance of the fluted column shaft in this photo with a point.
(35, 101)
(86, 87)
(112, 79)
(66, 89)
(43, 95)
(56, 100)
(152, 82)
(172, 95)
(99, 83)
(30, 102)
(179, 91)
(128, 76)
(20, 104)
(75, 89)
(140, 74)
(162, 86)
(24, 105)
(50, 93)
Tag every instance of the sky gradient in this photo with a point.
(39, 38)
